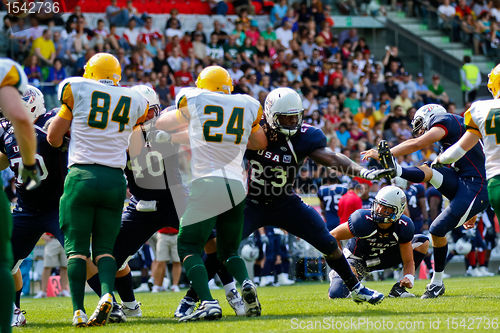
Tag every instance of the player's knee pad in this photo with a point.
(418, 240)
(337, 288)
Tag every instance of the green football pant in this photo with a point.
(6, 281)
(91, 204)
(494, 194)
(206, 196)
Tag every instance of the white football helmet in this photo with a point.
(150, 95)
(249, 252)
(33, 101)
(463, 246)
(281, 103)
(423, 116)
(392, 197)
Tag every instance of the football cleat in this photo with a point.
(250, 299)
(433, 291)
(398, 291)
(208, 310)
(102, 311)
(185, 308)
(234, 299)
(132, 312)
(80, 318)
(18, 318)
(117, 315)
(386, 158)
(360, 294)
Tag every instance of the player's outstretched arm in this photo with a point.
(410, 146)
(406, 251)
(342, 232)
(10, 104)
(458, 150)
(339, 162)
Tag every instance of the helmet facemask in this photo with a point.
(287, 123)
(418, 126)
(383, 212)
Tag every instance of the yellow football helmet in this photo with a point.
(103, 66)
(215, 78)
(494, 81)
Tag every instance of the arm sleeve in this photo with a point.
(65, 95)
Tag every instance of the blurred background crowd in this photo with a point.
(355, 96)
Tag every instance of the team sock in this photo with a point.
(7, 297)
(77, 271)
(197, 275)
(192, 294)
(95, 284)
(211, 264)
(413, 174)
(18, 298)
(223, 274)
(236, 267)
(417, 258)
(437, 278)
(439, 263)
(428, 262)
(341, 266)
(107, 273)
(230, 286)
(125, 288)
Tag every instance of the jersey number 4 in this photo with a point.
(234, 125)
(99, 111)
(491, 124)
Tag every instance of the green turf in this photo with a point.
(469, 304)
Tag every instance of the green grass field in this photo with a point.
(469, 304)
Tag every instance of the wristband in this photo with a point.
(410, 277)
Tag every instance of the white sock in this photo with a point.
(437, 179)
(437, 278)
(130, 305)
(230, 286)
(399, 169)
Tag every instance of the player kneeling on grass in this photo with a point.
(381, 238)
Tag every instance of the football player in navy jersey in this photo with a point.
(381, 238)
(464, 183)
(271, 200)
(329, 196)
(417, 205)
(37, 210)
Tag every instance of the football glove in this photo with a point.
(375, 174)
(436, 163)
(30, 175)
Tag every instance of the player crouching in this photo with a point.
(381, 238)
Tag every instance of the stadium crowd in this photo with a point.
(354, 97)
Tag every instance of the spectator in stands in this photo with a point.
(184, 74)
(131, 34)
(148, 33)
(162, 89)
(446, 14)
(174, 15)
(422, 92)
(403, 100)
(471, 80)
(253, 33)
(134, 13)
(407, 83)
(374, 86)
(278, 12)
(343, 135)
(468, 31)
(269, 33)
(392, 54)
(284, 34)
(460, 11)
(43, 47)
(173, 30)
(222, 36)
(57, 74)
(166, 251)
(437, 93)
(215, 52)
(117, 15)
(33, 70)
(390, 86)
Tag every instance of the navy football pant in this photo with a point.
(294, 216)
(468, 197)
